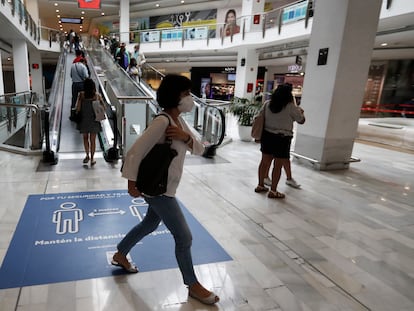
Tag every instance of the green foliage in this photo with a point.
(245, 109)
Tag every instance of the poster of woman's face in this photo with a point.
(227, 19)
(205, 89)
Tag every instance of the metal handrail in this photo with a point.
(33, 130)
(119, 102)
(20, 105)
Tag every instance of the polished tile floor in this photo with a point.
(345, 241)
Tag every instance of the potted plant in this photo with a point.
(245, 110)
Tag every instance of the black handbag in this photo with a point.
(77, 117)
(152, 175)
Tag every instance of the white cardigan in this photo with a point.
(155, 134)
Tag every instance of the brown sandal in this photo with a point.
(259, 189)
(119, 261)
(275, 195)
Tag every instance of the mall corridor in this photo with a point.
(344, 241)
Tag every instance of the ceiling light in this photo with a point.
(56, 4)
(102, 13)
(57, 11)
(182, 1)
(384, 44)
(83, 12)
(157, 5)
(82, 17)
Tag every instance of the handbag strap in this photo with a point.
(167, 140)
(266, 103)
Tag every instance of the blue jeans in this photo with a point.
(166, 209)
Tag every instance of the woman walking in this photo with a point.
(88, 126)
(174, 97)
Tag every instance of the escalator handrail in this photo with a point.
(152, 98)
(199, 102)
(20, 106)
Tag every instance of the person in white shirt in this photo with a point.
(140, 58)
(280, 113)
(174, 97)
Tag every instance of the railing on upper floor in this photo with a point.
(32, 29)
(276, 18)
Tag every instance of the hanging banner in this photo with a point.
(89, 4)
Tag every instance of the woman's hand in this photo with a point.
(174, 132)
(132, 189)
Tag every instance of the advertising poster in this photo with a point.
(200, 24)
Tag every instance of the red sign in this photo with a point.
(35, 66)
(89, 4)
(256, 19)
(249, 87)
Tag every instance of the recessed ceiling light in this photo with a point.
(56, 4)
(82, 17)
(58, 16)
(102, 13)
(182, 1)
(157, 5)
(57, 11)
(83, 12)
(384, 44)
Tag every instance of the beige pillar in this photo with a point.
(339, 56)
(21, 66)
(246, 73)
(124, 21)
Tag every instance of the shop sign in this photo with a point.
(229, 69)
(294, 68)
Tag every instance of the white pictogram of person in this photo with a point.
(67, 218)
(137, 202)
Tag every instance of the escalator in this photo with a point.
(130, 107)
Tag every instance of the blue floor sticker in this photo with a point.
(72, 236)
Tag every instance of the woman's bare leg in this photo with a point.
(86, 144)
(264, 166)
(93, 145)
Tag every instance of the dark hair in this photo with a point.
(228, 13)
(281, 97)
(171, 87)
(89, 88)
(133, 62)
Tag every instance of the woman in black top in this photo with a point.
(88, 126)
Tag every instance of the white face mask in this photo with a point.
(186, 104)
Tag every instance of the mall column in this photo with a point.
(250, 10)
(339, 56)
(246, 72)
(1, 76)
(248, 59)
(124, 21)
(21, 66)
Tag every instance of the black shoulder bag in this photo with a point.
(152, 175)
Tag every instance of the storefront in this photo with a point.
(219, 82)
